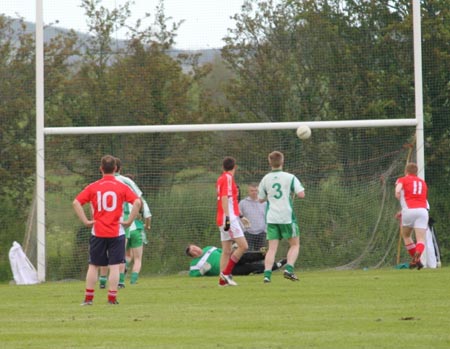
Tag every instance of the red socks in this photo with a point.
(112, 295)
(415, 248)
(231, 263)
(419, 248)
(411, 248)
(88, 295)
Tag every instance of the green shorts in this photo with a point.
(282, 231)
(135, 239)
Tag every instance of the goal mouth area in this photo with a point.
(346, 220)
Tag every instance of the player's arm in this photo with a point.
(226, 211)
(81, 214)
(398, 190)
(224, 200)
(145, 209)
(298, 188)
(148, 223)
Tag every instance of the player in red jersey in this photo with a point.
(107, 242)
(228, 221)
(412, 192)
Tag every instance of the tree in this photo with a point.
(322, 60)
(16, 111)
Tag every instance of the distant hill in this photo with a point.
(207, 55)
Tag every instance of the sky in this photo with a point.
(206, 21)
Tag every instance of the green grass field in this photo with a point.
(384, 308)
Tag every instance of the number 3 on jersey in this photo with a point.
(277, 187)
(106, 201)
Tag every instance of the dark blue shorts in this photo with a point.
(106, 251)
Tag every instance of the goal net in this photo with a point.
(346, 220)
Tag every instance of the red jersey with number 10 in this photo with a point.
(414, 192)
(107, 197)
(226, 186)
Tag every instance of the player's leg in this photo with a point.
(234, 259)
(270, 255)
(116, 256)
(235, 255)
(137, 253)
(97, 257)
(420, 247)
(103, 276)
(407, 230)
(242, 247)
(91, 276)
(407, 235)
(294, 249)
(420, 230)
(114, 277)
(135, 248)
(91, 279)
(235, 234)
(226, 254)
(291, 232)
(409, 243)
(292, 255)
(123, 266)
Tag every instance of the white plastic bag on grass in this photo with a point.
(23, 271)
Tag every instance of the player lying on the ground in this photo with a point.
(206, 262)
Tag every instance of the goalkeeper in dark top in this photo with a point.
(206, 261)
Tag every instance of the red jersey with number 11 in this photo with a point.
(226, 186)
(107, 197)
(414, 192)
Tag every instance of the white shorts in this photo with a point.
(415, 218)
(234, 232)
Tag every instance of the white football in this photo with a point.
(303, 132)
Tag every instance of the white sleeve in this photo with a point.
(146, 210)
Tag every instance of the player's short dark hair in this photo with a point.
(108, 164)
(276, 159)
(411, 168)
(228, 163)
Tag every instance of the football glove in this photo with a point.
(227, 225)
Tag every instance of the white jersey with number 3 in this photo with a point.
(277, 187)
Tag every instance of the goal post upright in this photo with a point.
(418, 88)
(40, 144)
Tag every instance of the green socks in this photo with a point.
(289, 268)
(134, 277)
(267, 274)
(103, 279)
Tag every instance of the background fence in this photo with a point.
(280, 61)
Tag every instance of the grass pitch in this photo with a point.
(384, 308)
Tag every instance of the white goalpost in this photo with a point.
(42, 131)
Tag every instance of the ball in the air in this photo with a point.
(303, 132)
